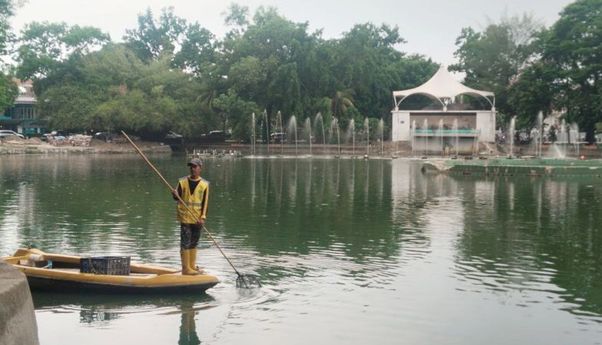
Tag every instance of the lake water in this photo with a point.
(349, 252)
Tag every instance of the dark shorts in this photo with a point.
(189, 235)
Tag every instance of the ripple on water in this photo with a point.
(524, 282)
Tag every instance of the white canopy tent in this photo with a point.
(432, 128)
(443, 88)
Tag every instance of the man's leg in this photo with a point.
(195, 236)
(186, 243)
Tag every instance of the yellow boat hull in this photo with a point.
(64, 275)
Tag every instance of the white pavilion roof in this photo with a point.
(442, 86)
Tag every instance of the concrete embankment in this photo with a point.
(516, 167)
(17, 319)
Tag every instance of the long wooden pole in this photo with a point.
(179, 199)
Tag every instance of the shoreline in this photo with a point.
(396, 150)
(29, 146)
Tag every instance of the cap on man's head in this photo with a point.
(195, 161)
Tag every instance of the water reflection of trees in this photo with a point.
(340, 208)
(534, 234)
(85, 203)
(416, 200)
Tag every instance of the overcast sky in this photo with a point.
(430, 27)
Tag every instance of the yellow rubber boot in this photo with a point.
(192, 261)
(184, 259)
(186, 268)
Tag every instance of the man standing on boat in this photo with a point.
(194, 192)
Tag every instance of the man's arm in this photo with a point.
(205, 204)
(177, 192)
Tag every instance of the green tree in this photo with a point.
(368, 65)
(363, 55)
(155, 38)
(138, 112)
(237, 16)
(198, 53)
(571, 50)
(165, 86)
(74, 88)
(340, 102)
(265, 63)
(171, 75)
(6, 11)
(235, 113)
(533, 92)
(44, 46)
(69, 107)
(8, 91)
(280, 66)
(494, 58)
(116, 90)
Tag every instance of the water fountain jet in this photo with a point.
(367, 129)
(308, 131)
(381, 130)
(292, 128)
(320, 120)
(253, 131)
(511, 135)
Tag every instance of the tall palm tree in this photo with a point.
(341, 102)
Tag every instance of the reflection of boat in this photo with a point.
(105, 308)
(120, 303)
(58, 272)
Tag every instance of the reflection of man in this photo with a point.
(188, 334)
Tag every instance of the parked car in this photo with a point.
(214, 137)
(55, 135)
(105, 136)
(4, 133)
(174, 140)
(171, 135)
(278, 138)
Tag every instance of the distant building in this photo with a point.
(23, 117)
(446, 125)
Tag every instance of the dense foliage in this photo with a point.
(8, 89)
(170, 74)
(533, 69)
(492, 59)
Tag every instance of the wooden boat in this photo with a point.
(56, 272)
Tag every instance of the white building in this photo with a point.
(449, 125)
